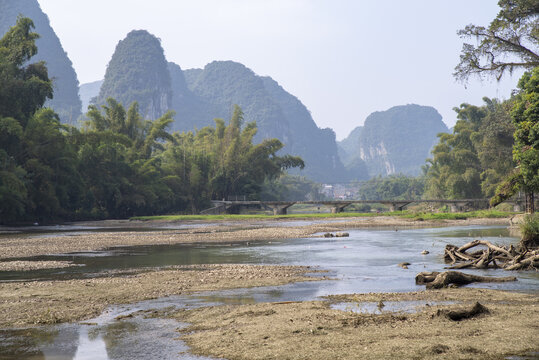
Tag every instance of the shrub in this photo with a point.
(530, 230)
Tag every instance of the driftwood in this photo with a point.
(457, 315)
(438, 280)
(491, 256)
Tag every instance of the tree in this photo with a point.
(392, 187)
(473, 160)
(526, 149)
(510, 42)
(119, 158)
(32, 141)
(25, 87)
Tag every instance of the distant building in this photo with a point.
(327, 190)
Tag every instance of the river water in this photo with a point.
(364, 262)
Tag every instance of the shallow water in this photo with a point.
(105, 337)
(371, 307)
(364, 262)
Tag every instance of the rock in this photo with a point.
(425, 252)
(342, 234)
(328, 235)
(517, 219)
(404, 265)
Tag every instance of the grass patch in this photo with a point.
(530, 229)
(254, 216)
(479, 214)
(405, 214)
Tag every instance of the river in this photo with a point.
(364, 262)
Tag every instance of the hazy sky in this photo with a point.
(342, 58)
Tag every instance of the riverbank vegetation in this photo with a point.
(530, 231)
(493, 150)
(118, 164)
(420, 216)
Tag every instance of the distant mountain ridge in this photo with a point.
(66, 101)
(138, 72)
(278, 114)
(397, 140)
(200, 95)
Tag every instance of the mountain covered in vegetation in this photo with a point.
(65, 102)
(198, 96)
(394, 141)
(212, 92)
(138, 72)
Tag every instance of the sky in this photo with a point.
(344, 59)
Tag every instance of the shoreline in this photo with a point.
(291, 330)
(16, 246)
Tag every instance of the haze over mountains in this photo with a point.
(66, 101)
(394, 141)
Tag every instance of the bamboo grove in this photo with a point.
(117, 164)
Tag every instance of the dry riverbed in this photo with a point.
(50, 302)
(313, 330)
(287, 330)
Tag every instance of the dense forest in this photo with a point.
(118, 163)
(472, 161)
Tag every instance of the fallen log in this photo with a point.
(458, 315)
(530, 262)
(438, 280)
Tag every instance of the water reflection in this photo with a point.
(90, 347)
(106, 337)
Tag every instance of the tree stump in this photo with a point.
(437, 280)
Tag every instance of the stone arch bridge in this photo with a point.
(337, 206)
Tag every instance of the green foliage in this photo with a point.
(201, 94)
(510, 42)
(489, 214)
(507, 188)
(290, 187)
(530, 229)
(526, 119)
(393, 187)
(417, 216)
(525, 114)
(475, 159)
(119, 164)
(223, 161)
(25, 87)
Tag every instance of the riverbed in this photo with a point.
(364, 262)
